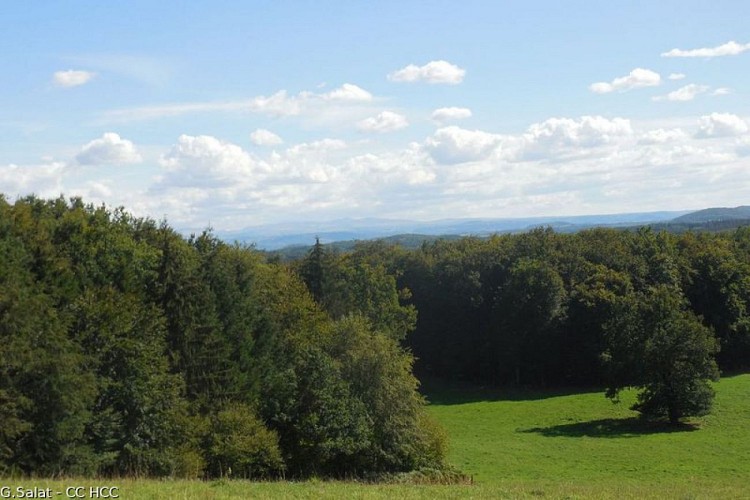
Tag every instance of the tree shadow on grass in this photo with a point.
(611, 428)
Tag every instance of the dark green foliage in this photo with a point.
(359, 282)
(380, 374)
(239, 445)
(656, 344)
(525, 322)
(328, 432)
(531, 309)
(717, 283)
(126, 349)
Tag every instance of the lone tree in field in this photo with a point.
(656, 344)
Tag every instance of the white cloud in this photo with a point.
(386, 121)
(442, 115)
(686, 93)
(432, 72)
(278, 104)
(263, 137)
(721, 125)
(676, 76)
(662, 136)
(208, 180)
(348, 92)
(72, 78)
(569, 137)
(721, 91)
(42, 180)
(589, 164)
(99, 190)
(453, 144)
(207, 161)
(637, 78)
(743, 147)
(313, 148)
(107, 150)
(554, 139)
(731, 48)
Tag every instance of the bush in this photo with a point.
(239, 445)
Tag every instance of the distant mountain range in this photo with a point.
(718, 214)
(346, 231)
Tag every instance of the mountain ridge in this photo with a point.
(276, 236)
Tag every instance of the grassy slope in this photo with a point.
(584, 439)
(536, 445)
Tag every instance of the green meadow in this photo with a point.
(535, 445)
(584, 445)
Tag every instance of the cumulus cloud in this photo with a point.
(442, 115)
(554, 139)
(450, 145)
(307, 149)
(207, 161)
(386, 121)
(42, 180)
(662, 136)
(210, 180)
(432, 72)
(686, 93)
(566, 136)
(730, 48)
(676, 76)
(588, 164)
(263, 137)
(721, 125)
(743, 147)
(72, 78)
(721, 91)
(278, 104)
(637, 78)
(348, 92)
(109, 149)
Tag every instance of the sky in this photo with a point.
(234, 114)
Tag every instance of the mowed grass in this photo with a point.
(585, 441)
(532, 445)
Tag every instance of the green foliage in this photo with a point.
(380, 374)
(359, 283)
(658, 345)
(526, 317)
(126, 349)
(239, 445)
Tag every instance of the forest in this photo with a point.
(128, 349)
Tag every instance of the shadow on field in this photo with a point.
(611, 428)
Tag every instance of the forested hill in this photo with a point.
(710, 219)
(126, 349)
(715, 215)
(600, 307)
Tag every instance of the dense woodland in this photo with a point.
(606, 308)
(128, 349)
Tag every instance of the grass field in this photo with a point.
(535, 445)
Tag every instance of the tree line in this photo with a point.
(600, 308)
(127, 349)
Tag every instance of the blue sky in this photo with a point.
(236, 114)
